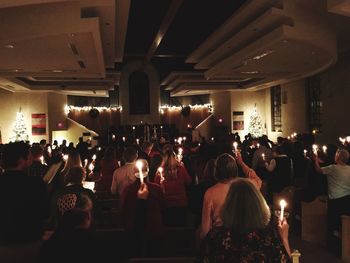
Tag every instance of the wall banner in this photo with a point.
(38, 123)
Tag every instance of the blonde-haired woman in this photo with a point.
(247, 233)
(174, 182)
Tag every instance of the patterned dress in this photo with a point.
(222, 245)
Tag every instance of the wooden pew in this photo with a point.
(109, 219)
(346, 238)
(314, 221)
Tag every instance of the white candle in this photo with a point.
(42, 159)
(324, 148)
(138, 141)
(49, 151)
(139, 166)
(94, 157)
(85, 162)
(160, 170)
(314, 149)
(212, 138)
(65, 157)
(258, 145)
(348, 139)
(283, 205)
(91, 167)
(123, 139)
(235, 144)
(263, 156)
(305, 152)
(113, 136)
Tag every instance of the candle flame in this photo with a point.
(283, 203)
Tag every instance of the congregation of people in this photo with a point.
(224, 188)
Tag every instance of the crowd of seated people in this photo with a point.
(228, 190)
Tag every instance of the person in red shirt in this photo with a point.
(141, 211)
(174, 181)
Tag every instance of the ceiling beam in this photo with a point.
(122, 17)
(168, 18)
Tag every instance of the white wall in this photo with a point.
(29, 103)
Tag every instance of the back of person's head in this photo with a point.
(75, 175)
(110, 154)
(342, 155)
(245, 208)
(130, 154)
(13, 153)
(167, 147)
(171, 166)
(209, 171)
(147, 146)
(36, 151)
(73, 160)
(225, 167)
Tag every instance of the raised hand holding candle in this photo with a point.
(139, 166)
(91, 167)
(324, 148)
(314, 149)
(235, 145)
(160, 171)
(283, 205)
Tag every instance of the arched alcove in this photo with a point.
(139, 93)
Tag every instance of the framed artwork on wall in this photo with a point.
(238, 120)
(38, 123)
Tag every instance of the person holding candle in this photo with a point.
(108, 164)
(124, 176)
(226, 172)
(176, 180)
(141, 210)
(338, 177)
(37, 168)
(247, 233)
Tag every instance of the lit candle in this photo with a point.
(324, 148)
(138, 141)
(263, 156)
(342, 140)
(160, 171)
(85, 162)
(283, 205)
(113, 136)
(235, 144)
(179, 140)
(49, 151)
(314, 149)
(288, 137)
(65, 157)
(305, 152)
(42, 159)
(94, 157)
(123, 139)
(212, 138)
(348, 139)
(258, 145)
(133, 127)
(184, 138)
(139, 166)
(91, 167)
(99, 148)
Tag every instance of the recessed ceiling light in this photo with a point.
(57, 70)
(9, 46)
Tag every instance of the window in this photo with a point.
(314, 103)
(276, 109)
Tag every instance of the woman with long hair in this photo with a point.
(174, 181)
(108, 164)
(247, 234)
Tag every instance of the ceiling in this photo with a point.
(79, 47)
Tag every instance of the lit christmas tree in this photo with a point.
(20, 128)
(256, 127)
